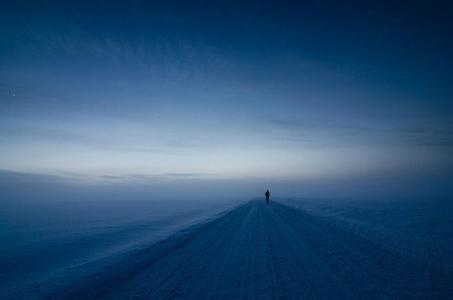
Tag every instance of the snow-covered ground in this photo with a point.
(48, 244)
(420, 228)
(291, 248)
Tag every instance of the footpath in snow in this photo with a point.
(260, 251)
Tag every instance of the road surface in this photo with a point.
(260, 251)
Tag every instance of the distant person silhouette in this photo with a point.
(267, 194)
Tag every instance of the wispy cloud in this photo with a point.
(187, 175)
(7, 176)
(309, 133)
(67, 137)
(20, 177)
(158, 177)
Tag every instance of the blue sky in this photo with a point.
(266, 92)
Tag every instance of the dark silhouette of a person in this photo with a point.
(267, 194)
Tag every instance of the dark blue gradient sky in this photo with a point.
(316, 96)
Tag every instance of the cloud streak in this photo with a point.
(8, 177)
(303, 132)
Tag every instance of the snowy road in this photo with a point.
(265, 252)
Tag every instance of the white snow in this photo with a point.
(419, 228)
(48, 244)
(293, 249)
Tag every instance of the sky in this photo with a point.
(313, 98)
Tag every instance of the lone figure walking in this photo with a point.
(267, 194)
